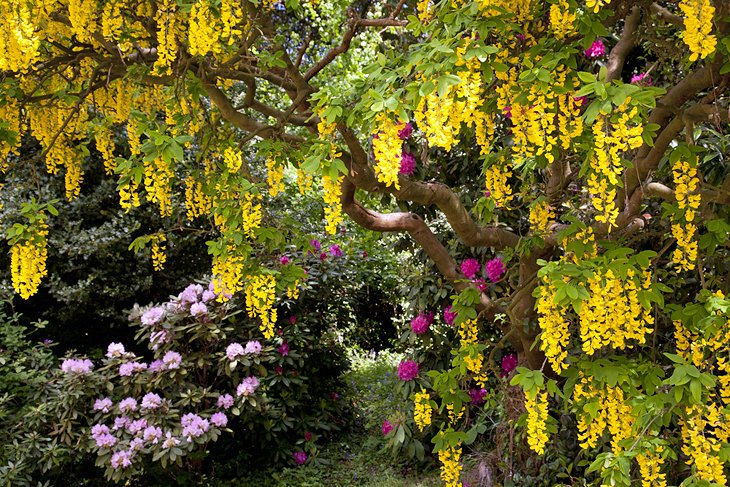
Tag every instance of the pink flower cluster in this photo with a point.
(219, 419)
(151, 401)
(152, 316)
(129, 368)
(641, 79)
(77, 366)
(407, 370)
(248, 386)
(386, 428)
(420, 323)
(283, 349)
(104, 405)
(300, 458)
(128, 405)
(470, 268)
(115, 350)
(509, 363)
(407, 164)
(406, 132)
(597, 49)
(225, 401)
(102, 436)
(449, 316)
(494, 269)
(172, 360)
(193, 426)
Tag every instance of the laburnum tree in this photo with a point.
(583, 145)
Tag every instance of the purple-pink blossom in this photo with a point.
(198, 309)
(509, 363)
(597, 49)
(335, 250)
(156, 366)
(407, 164)
(191, 293)
(129, 368)
(641, 79)
(234, 350)
(152, 316)
(193, 425)
(128, 405)
(101, 435)
(449, 316)
(121, 422)
(121, 459)
(219, 419)
(152, 434)
(225, 401)
(77, 366)
(580, 100)
(253, 347)
(406, 132)
(248, 386)
(386, 428)
(470, 267)
(137, 426)
(115, 350)
(284, 260)
(151, 401)
(104, 405)
(170, 441)
(157, 338)
(420, 323)
(300, 457)
(317, 246)
(476, 396)
(407, 370)
(208, 295)
(494, 269)
(284, 349)
(172, 360)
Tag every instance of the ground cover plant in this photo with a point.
(560, 168)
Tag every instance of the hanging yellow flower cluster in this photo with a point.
(610, 140)
(159, 255)
(650, 467)
(231, 15)
(387, 149)
(260, 298)
(28, 260)
(611, 412)
(612, 316)
(82, 14)
(422, 410)
(702, 450)
(197, 202)
(425, 10)
(698, 15)
(19, 42)
(332, 191)
(304, 181)
(251, 212)
(596, 5)
(540, 215)
(166, 20)
(105, 146)
(274, 176)
(561, 20)
(522, 10)
(536, 405)
(111, 20)
(158, 177)
(688, 202)
(203, 34)
(228, 270)
(473, 358)
(554, 335)
(497, 186)
(450, 466)
(233, 159)
(292, 291)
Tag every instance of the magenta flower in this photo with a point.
(406, 131)
(449, 316)
(307, 436)
(364, 254)
(470, 267)
(407, 164)
(284, 260)
(300, 458)
(335, 250)
(495, 268)
(507, 112)
(597, 49)
(283, 349)
(317, 246)
(509, 363)
(407, 370)
(642, 79)
(476, 396)
(323, 256)
(420, 323)
(386, 428)
(580, 100)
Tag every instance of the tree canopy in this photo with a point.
(580, 146)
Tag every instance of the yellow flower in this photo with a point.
(260, 298)
(537, 414)
(698, 20)
(422, 409)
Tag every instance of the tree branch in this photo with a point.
(618, 54)
(666, 15)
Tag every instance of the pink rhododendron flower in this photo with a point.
(121, 422)
(198, 309)
(509, 363)
(253, 347)
(136, 426)
(420, 323)
(407, 164)
(157, 338)
(470, 267)
(597, 49)
(641, 79)
(77, 366)
(172, 360)
(323, 256)
(128, 405)
(152, 316)
(300, 458)
(234, 350)
(406, 132)
(335, 250)
(193, 425)
(152, 434)
(156, 366)
(248, 386)
(170, 441)
(386, 428)
(129, 368)
(407, 370)
(208, 296)
(495, 268)
(284, 260)
(121, 459)
(476, 396)
(115, 350)
(151, 401)
(219, 419)
(284, 349)
(449, 316)
(104, 405)
(307, 436)
(225, 401)
(317, 246)
(292, 319)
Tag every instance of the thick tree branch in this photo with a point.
(618, 54)
(666, 15)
